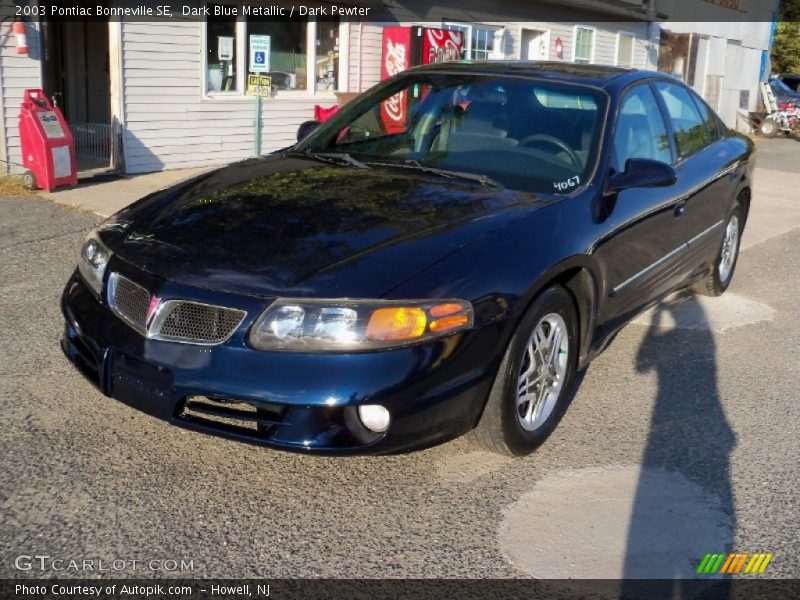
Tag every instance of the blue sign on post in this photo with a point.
(259, 53)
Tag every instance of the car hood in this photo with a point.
(288, 225)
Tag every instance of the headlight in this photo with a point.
(93, 261)
(347, 325)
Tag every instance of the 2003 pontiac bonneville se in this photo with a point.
(439, 257)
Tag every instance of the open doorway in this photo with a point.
(534, 44)
(76, 77)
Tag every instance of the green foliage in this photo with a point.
(790, 11)
(786, 47)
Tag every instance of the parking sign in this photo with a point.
(259, 53)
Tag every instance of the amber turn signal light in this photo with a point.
(449, 323)
(409, 322)
(396, 323)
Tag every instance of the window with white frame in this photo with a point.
(297, 55)
(625, 44)
(584, 44)
(480, 41)
(221, 53)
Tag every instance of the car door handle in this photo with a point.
(680, 208)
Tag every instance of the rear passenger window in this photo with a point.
(691, 131)
(709, 119)
(640, 131)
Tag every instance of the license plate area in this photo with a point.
(141, 384)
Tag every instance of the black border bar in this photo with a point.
(397, 589)
(404, 11)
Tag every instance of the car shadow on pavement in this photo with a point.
(683, 506)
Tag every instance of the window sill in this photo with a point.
(223, 97)
(280, 95)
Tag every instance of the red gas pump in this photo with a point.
(48, 148)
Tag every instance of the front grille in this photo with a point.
(173, 320)
(200, 323)
(130, 301)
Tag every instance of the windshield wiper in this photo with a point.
(339, 157)
(477, 177)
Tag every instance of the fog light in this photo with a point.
(374, 417)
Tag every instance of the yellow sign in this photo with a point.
(259, 85)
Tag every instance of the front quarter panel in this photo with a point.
(503, 273)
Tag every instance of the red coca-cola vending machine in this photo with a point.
(406, 47)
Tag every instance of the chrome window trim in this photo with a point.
(665, 258)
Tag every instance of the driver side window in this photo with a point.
(640, 131)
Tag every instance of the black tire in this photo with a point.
(769, 128)
(713, 284)
(500, 429)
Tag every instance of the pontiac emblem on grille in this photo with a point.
(151, 310)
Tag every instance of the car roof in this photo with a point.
(594, 75)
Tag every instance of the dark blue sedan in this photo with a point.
(440, 257)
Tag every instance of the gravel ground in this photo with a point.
(85, 476)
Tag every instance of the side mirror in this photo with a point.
(642, 172)
(305, 129)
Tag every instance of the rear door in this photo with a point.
(707, 171)
(638, 254)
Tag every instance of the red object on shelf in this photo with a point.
(322, 114)
(48, 148)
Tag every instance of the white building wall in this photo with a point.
(17, 72)
(728, 63)
(168, 121)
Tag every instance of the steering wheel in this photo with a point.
(551, 140)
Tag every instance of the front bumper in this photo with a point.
(302, 402)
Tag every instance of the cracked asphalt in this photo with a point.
(83, 476)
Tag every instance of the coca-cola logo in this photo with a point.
(395, 58)
(395, 62)
(394, 107)
(444, 45)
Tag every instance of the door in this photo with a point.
(76, 76)
(707, 171)
(534, 44)
(638, 256)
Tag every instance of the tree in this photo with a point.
(786, 46)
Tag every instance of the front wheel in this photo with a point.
(720, 276)
(531, 391)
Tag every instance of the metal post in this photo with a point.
(258, 126)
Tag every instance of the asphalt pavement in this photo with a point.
(682, 439)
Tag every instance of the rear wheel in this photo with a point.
(719, 278)
(769, 128)
(531, 391)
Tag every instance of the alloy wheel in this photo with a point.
(543, 370)
(730, 247)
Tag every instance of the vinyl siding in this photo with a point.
(17, 73)
(167, 121)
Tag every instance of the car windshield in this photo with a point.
(522, 133)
